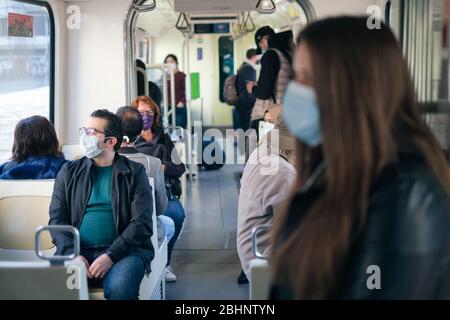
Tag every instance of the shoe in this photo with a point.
(242, 279)
(170, 276)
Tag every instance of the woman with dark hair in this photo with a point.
(35, 152)
(370, 214)
(154, 142)
(180, 91)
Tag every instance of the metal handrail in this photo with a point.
(144, 8)
(255, 232)
(266, 11)
(57, 260)
(179, 25)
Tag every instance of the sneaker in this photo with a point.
(170, 276)
(242, 279)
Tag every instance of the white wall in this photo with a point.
(95, 64)
(59, 9)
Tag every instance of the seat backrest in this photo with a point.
(41, 281)
(72, 151)
(24, 206)
(154, 222)
(142, 159)
(260, 279)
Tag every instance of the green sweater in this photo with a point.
(97, 227)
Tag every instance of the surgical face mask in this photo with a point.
(148, 121)
(172, 66)
(89, 144)
(301, 113)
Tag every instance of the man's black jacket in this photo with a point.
(131, 199)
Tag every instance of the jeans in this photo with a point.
(123, 280)
(181, 117)
(236, 119)
(174, 211)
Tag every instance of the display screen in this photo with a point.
(205, 28)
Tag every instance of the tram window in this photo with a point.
(26, 65)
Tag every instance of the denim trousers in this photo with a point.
(174, 211)
(123, 280)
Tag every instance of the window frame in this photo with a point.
(51, 16)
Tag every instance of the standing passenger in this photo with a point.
(370, 215)
(108, 199)
(180, 91)
(276, 71)
(246, 101)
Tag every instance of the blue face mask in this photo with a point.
(301, 113)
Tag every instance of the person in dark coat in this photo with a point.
(268, 85)
(246, 101)
(108, 198)
(369, 215)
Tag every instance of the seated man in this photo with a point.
(265, 184)
(108, 199)
(132, 124)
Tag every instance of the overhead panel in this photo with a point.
(214, 5)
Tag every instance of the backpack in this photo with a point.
(230, 94)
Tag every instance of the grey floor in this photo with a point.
(205, 259)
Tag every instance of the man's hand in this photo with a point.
(86, 264)
(250, 86)
(100, 267)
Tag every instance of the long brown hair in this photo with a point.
(368, 113)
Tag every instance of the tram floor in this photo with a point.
(205, 259)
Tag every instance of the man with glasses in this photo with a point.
(108, 199)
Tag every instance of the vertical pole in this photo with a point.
(188, 104)
(172, 97)
(165, 99)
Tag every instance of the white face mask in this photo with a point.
(89, 145)
(172, 66)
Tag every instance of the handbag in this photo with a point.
(173, 188)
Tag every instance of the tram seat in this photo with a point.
(72, 151)
(259, 279)
(153, 286)
(260, 276)
(42, 281)
(24, 206)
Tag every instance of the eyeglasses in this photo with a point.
(89, 131)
